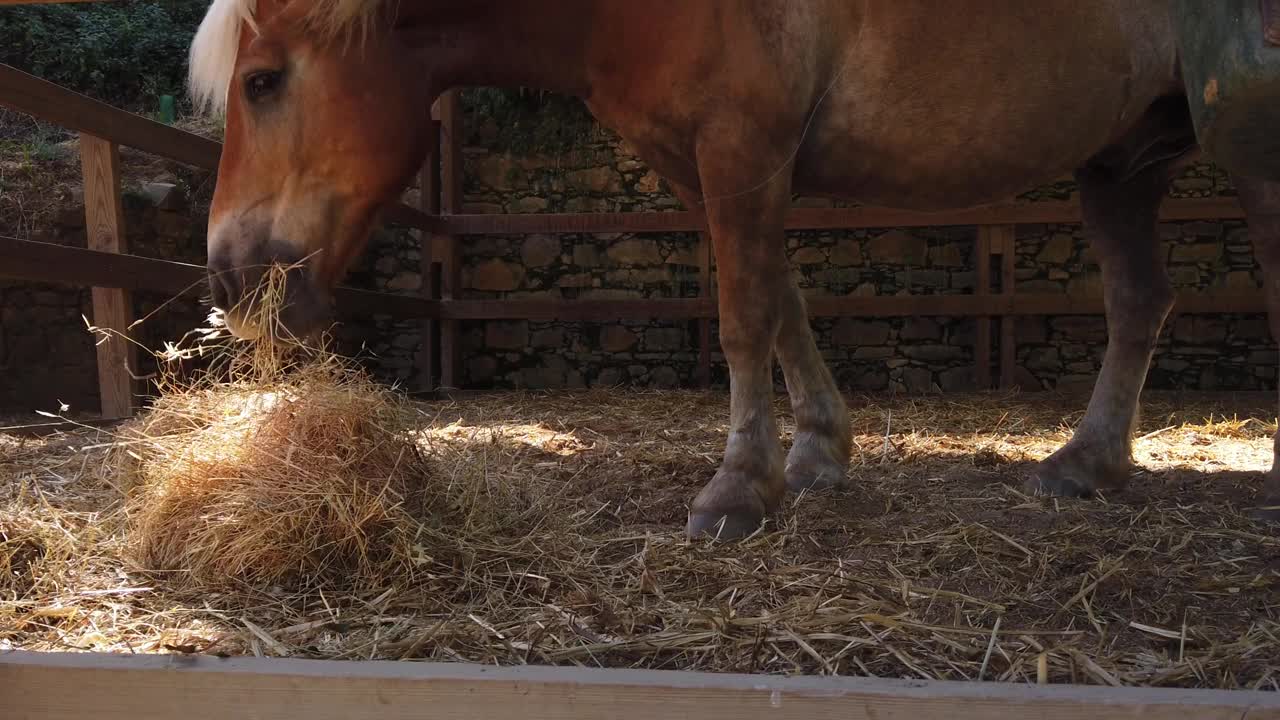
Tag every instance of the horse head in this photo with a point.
(326, 122)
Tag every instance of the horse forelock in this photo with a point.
(212, 57)
(213, 52)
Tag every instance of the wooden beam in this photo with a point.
(78, 267)
(53, 103)
(112, 307)
(60, 686)
(46, 262)
(449, 254)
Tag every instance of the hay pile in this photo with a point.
(285, 466)
(308, 478)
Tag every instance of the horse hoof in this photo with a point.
(818, 462)
(725, 526)
(1076, 472)
(1053, 482)
(815, 476)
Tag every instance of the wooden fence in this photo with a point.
(106, 266)
(52, 686)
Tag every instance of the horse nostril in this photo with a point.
(224, 288)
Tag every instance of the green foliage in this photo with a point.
(126, 53)
(527, 121)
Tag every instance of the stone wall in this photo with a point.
(916, 355)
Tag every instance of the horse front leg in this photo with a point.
(747, 233)
(1261, 202)
(1121, 218)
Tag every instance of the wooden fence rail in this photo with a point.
(54, 686)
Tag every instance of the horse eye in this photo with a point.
(261, 84)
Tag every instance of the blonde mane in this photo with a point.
(212, 57)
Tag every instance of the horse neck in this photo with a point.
(503, 43)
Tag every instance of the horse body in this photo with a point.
(740, 104)
(914, 105)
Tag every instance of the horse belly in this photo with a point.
(924, 178)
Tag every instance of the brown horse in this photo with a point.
(739, 104)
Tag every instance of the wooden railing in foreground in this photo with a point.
(61, 686)
(105, 265)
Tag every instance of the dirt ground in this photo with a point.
(933, 564)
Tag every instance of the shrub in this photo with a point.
(126, 53)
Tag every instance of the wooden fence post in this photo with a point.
(447, 250)
(112, 307)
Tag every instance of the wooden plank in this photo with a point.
(79, 267)
(982, 323)
(60, 686)
(52, 103)
(112, 307)
(1048, 212)
(449, 254)
(1008, 339)
(45, 262)
(405, 216)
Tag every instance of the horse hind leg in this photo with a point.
(1261, 202)
(819, 456)
(1120, 215)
